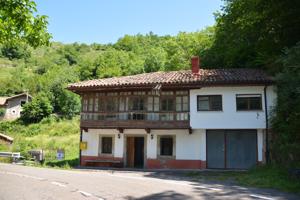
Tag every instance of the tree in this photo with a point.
(39, 108)
(252, 33)
(15, 51)
(20, 24)
(286, 143)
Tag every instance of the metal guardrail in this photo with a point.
(11, 154)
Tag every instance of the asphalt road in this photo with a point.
(31, 183)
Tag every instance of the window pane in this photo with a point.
(90, 104)
(216, 102)
(150, 104)
(156, 103)
(85, 103)
(255, 103)
(178, 103)
(122, 104)
(167, 104)
(241, 103)
(166, 146)
(203, 104)
(106, 145)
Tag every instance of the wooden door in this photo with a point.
(130, 151)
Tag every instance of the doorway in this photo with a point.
(135, 152)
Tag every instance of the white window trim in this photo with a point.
(174, 147)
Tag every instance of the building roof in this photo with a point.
(3, 100)
(6, 138)
(180, 78)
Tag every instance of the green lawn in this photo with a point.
(269, 176)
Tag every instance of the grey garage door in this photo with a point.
(235, 149)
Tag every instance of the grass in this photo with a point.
(49, 135)
(268, 176)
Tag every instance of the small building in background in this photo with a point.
(5, 139)
(13, 105)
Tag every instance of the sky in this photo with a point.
(105, 21)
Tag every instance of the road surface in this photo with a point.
(32, 183)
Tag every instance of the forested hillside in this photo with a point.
(248, 33)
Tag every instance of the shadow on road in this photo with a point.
(163, 195)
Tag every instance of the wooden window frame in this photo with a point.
(209, 102)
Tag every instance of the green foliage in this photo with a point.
(2, 112)
(286, 122)
(252, 33)
(15, 51)
(50, 134)
(20, 24)
(267, 176)
(39, 108)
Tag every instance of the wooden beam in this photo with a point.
(121, 130)
(148, 130)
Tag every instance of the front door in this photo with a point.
(139, 152)
(135, 152)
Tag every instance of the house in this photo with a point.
(188, 119)
(13, 105)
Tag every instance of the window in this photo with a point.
(248, 102)
(106, 145)
(85, 103)
(166, 146)
(167, 104)
(136, 104)
(111, 104)
(182, 103)
(209, 103)
(91, 101)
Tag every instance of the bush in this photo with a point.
(2, 112)
(39, 108)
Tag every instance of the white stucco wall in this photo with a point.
(229, 117)
(14, 108)
(92, 139)
(188, 146)
(260, 144)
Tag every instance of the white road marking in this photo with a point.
(86, 194)
(58, 184)
(260, 197)
(24, 175)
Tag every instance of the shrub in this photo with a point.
(2, 112)
(39, 108)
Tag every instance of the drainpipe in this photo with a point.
(267, 125)
(79, 147)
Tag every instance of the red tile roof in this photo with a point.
(183, 77)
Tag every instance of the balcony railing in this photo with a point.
(152, 116)
(135, 120)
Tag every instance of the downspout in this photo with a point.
(267, 125)
(80, 147)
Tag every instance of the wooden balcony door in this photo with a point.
(135, 152)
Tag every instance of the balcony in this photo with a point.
(136, 109)
(136, 120)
